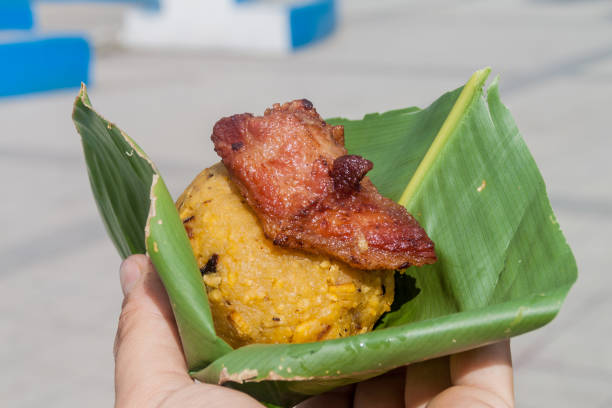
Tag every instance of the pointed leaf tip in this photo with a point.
(83, 96)
(469, 93)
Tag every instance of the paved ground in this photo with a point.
(59, 292)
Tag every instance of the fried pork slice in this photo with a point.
(294, 172)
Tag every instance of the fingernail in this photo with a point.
(129, 273)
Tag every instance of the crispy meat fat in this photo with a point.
(309, 194)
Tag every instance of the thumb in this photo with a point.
(149, 361)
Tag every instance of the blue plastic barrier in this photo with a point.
(312, 22)
(149, 4)
(249, 26)
(37, 64)
(34, 63)
(15, 15)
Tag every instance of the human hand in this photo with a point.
(479, 378)
(150, 370)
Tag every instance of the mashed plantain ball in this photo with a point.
(261, 293)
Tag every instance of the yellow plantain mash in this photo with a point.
(261, 293)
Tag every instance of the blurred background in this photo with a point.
(166, 70)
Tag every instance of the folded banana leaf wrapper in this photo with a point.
(459, 166)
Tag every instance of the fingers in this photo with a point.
(426, 380)
(482, 378)
(487, 368)
(460, 396)
(386, 391)
(206, 395)
(149, 361)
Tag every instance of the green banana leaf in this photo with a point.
(140, 216)
(459, 166)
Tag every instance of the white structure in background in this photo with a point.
(254, 26)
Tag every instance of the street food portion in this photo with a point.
(262, 293)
